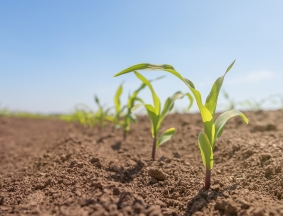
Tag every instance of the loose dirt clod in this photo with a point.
(157, 174)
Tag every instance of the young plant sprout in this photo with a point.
(82, 114)
(212, 129)
(118, 108)
(102, 113)
(130, 116)
(157, 116)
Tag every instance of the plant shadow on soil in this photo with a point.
(124, 175)
(203, 198)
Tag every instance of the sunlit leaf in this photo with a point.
(144, 66)
(212, 98)
(165, 136)
(132, 117)
(137, 106)
(156, 100)
(206, 116)
(206, 151)
(191, 101)
(151, 112)
(117, 98)
(223, 118)
(169, 104)
(152, 116)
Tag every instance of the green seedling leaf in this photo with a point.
(96, 100)
(165, 136)
(206, 151)
(132, 117)
(138, 99)
(117, 98)
(206, 116)
(144, 66)
(191, 100)
(109, 118)
(137, 106)
(211, 100)
(156, 100)
(132, 99)
(151, 111)
(169, 103)
(223, 118)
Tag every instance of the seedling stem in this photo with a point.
(207, 179)
(153, 148)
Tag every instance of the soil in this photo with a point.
(50, 167)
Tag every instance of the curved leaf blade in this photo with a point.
(211, 100)
(205, 150)
(155, 98)
(144, 66)
(151, 112)
(191, 99)
(165, 136)
(134, 98)
(132, 117)
(206, 116)
(117, 98)
(169, 104)
(97, 100)
(136, 107)
(147, 66)
(222, 120)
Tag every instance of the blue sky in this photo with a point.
(55, 54)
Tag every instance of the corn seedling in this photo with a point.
(82, 114)
(157, 116)
(212, 129)
(118, 108)
(102, 113)
(130, 116)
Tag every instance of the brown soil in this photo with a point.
(49, 167)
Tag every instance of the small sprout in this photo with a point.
(118, 109)
(102, 113)
(157, 116)
(82, 114)
(130, 117)
(212, 129)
